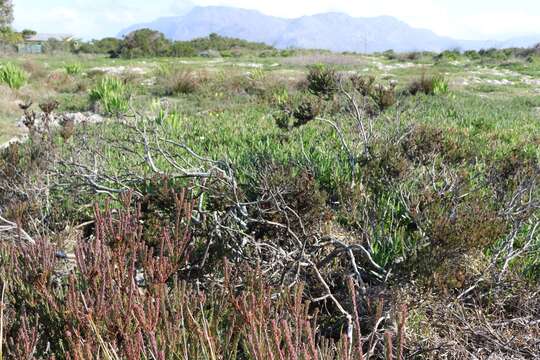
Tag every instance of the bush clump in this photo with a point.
(297, 111)
(175, 81)
(430, 85)
(378, 97)
(322, 81)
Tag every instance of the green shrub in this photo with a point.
(390, 54)
(112, 94)
(322, 81)
(430, 85)
(472, 54)
(73, 69)
(302, 108)
(449, 55)
(384, 96)
(13, 76)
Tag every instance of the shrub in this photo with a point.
(301, 108)
(175, 81)
(423, 143)
(363, 84)
(73, 69)
(384, 96)
(429, 85)
(379, 95)
(183, 49)
(472, 54)
(13, 76)
(449, 55)
(390, 55)
(306, 110)
(103, 46)
(112, 94)
(322, 81)
(144, 43)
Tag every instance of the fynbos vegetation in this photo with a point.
(269, 208)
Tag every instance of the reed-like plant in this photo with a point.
(113, 96)
(13, 76)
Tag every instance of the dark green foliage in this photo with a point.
(323, 81)
(384, 96)
(377, 97)
(8, 36)
(26, 33)
(143, 43)
(429, 85)
(222, 43)
(147, 43)
(104, 46)
(472, 54)
(448, 55)
(297, 111)
(183, 49)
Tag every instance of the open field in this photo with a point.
(271, 208)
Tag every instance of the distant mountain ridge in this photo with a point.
(330, 31)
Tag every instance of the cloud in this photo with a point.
(508, 23)
(458, 18)
(89, 19)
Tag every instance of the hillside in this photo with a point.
(331, 31)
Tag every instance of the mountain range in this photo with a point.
(330, 31)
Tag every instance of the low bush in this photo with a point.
(322, 81)
(429, 85)
(378, 97)
(296, 111)
(384, 96)
(176, 81)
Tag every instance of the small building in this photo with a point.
(33, 44)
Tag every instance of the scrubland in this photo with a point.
(314, 206)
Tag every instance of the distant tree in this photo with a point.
(6, 13)
(183, 49)
(8, 36)
(27, 33)
(107, 45)
(143, 43)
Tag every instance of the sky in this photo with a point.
(463, 19)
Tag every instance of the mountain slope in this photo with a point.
(331, 31)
